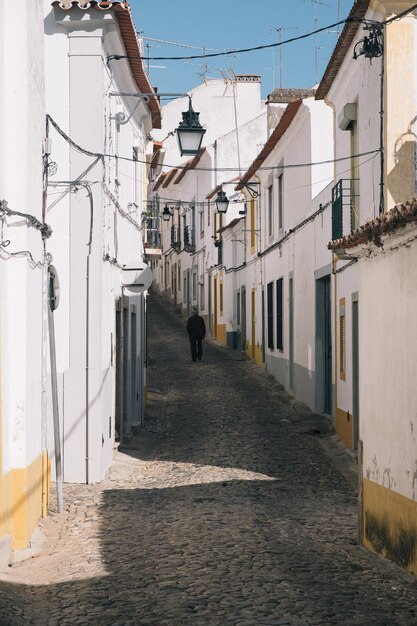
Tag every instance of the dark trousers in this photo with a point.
(196, 344)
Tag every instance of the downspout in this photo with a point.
(54, 389)
(381, 133)
(334, 262)
(87, 338)
(45, 306)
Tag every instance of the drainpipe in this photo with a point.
(54, 388)
(87, 341)
(334, 261)
(45, 307)
(87, 187)
(381, 134)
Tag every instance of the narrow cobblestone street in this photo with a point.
(221, 512)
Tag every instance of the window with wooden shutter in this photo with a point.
(270, 315)
(280, 327)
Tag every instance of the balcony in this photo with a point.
(175, 238)
(152, 239)
(344, 201)
(189, 239)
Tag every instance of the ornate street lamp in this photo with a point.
(166, 213)
(222, 202)
(190, 132)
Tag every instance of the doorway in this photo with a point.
(253, 322)
(323, 346)
(122, 355)
(291, 384)
(243, 319)
(215, 307)
(355, 369)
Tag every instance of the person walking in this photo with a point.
(196, 330)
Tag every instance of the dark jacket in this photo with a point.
(196, 326)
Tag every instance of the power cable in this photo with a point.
(204, 169)
(117, 57)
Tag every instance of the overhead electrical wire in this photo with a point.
(99, 155)
(312, 33)
(117, 57)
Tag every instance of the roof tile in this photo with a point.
(283, 125)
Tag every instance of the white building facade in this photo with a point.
(191, 271)
(96, 202)
(384, 247)
(23, 265)
(285, 284)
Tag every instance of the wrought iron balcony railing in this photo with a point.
(344, 194)
(175, 238)
(189, 239)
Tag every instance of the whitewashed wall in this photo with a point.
(21, 293)
(83, 107)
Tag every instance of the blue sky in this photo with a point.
(219, 25)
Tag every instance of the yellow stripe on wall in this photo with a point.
(344, 427)
(221, 333)
(390, 524)
(21, 492)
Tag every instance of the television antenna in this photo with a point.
(279, 30)
(168, 42)
(316, 46)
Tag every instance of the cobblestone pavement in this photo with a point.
(221, 512)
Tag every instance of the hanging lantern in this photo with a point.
(222, 202)
(190, 132)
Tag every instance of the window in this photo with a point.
(185, 290)
(194, 283)
(179, 275)
(270, 315)
(202, 298)
(354, 201)
(280, 200)
(201, 218)
(252, 225)
(342, 338)
(280, 327)
(136, 176)
(208, 213)
(221, 297)
(270, 209)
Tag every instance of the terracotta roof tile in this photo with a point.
(216, 190)
(130, 40)
(169, 177)
(189, 165)
(159, 181)
(373, 231)
(344, 42)
(283, 125)
(230, 225)
(157, 147)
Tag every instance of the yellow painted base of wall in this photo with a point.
(24, 496)
(221, 333)
(390, 524)
(255, 353)
(344, 427)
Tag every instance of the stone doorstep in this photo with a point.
(5, 551)
(37, 544)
